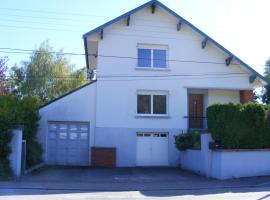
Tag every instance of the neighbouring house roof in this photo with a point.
(68, 93)
(182, 20)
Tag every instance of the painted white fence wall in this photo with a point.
(226, 164)
(16, 151)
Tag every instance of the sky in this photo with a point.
(241, 26)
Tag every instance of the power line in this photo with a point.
(39, 28)
(35, 22)
(28, 51)
(50, 18)
(50, 12)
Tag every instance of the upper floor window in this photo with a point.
(152, 57)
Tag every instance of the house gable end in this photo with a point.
(206, 39)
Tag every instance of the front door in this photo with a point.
(195, 111)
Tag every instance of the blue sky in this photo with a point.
(241, 26)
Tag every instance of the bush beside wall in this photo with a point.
(237, 126)
(190, 140)
(15, 111)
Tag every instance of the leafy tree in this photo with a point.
(266, 91)
(3, 69)
(48, 74)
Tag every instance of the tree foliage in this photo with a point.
(47, 74)
(3, 69)
(266, 91)
(24, 111)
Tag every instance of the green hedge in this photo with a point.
(190, 140)
(237, 126)
(15, 111)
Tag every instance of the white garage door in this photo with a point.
(152, 149)
(68, 143)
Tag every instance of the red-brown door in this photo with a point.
(195, 111)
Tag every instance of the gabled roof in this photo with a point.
(182, 20)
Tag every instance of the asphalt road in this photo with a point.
(130, 183)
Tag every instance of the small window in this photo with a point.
(147, 134)
(139, 134)
(84, 136)
(73, 135)
(149, 104)
(144, 104)
(73, 127)
(163, 135)
(152, 57)
(52, 127)
(84, 127)
(62, 135)
(63, 126)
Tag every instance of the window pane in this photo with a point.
(73, 135)
(160, 106)
(84, 136)
(144, 104)
(144, 57)
(159, 58)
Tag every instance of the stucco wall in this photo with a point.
(223, 96)
(79, 106)
(119, 79)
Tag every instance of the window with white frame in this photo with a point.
(152, 103)
(154, 56)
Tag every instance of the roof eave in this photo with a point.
(119, 18)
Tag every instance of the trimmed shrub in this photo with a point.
(237, 126)
(190, 140)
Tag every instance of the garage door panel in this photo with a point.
(68, 143)
(152, 149)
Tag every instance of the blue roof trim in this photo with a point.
(156, 2)
(72, 91)
(119, 18)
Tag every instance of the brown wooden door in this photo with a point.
(195, 111)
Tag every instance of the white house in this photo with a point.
(155, 76)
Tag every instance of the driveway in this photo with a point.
(145, 182)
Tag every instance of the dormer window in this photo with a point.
(154, 57)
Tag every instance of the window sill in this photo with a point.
(152, 69)
(151, 116)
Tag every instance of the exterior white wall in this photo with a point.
(223, 96)
(16, 151)
(229, 164)
(226, 164)
(158, 28)
(79, 106)
(119, 79)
